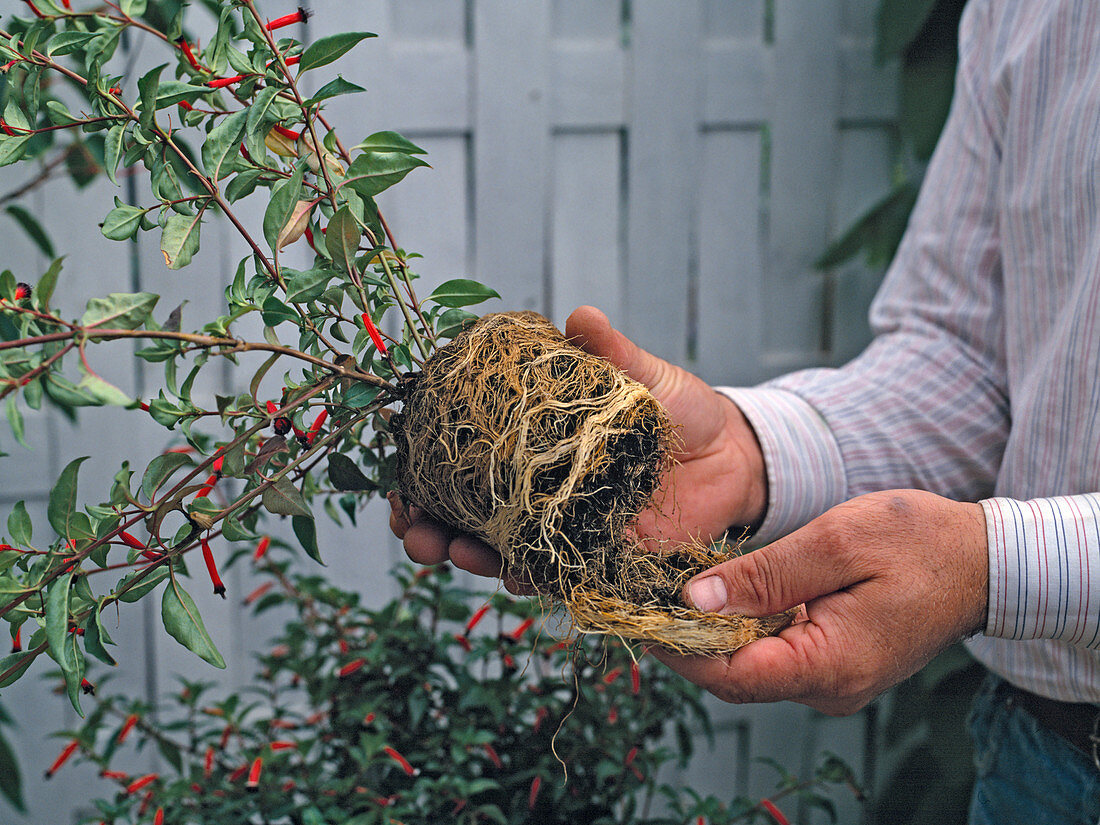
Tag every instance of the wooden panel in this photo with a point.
(728, 330)
(663, 172)
(586, 265)
(511, 149)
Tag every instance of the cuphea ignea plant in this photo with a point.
(211, 125)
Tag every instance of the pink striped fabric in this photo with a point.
(983, 380)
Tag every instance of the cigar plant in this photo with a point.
(439, 706)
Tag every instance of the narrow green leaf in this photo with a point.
(179, 240)
(62, 644)
(306, 531)
(23, 660)
(15, 421)
(334, 88)
(374, 172)
(461, 292)
(327, 49)
(145, 586)
(119, 310)
(284, 197)
(96, 637)
(20, 528)
(390, 142)
(48, 282)
(13, 148)
(342, 239)
(160, 469)
(306, 286)
(172, 92)
(223, 142)
(148, 84)
(346, 475)
(33, 229)
(11, 783)
(284, 499)
(62, 504)
(184, 624)
(103, 390)
(112, 150)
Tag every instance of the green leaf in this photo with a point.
(346, 475)
(876, 233)
(145, 586)
(15, 421)
(172, 92)
(284, 499)
(926, 88)
(13, 148)
(62, 644)
(20, 528)
(897, 24)
(334, 88)
(33, 229)
(243, 184)
(21, 659)
(390, 142)
(11, 784)
(112, 150)
(223, 142)
(48, 282)
(306, 286)
(179, 240)
(62, 504)
(461, 292)
(342, 238)
(360, 394)
(276, 312)
(96, 637)
(122, 222)
(133, 8)
(148, 84)
(160, 469)
(184, 624)
(374, 172)
(306, 531)
(119, 310)
(327, 49)
(104, 391)
(284, 197)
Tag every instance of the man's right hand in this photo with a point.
(717, 481)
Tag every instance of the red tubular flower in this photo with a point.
(533, 794)
(67, 4)
(17, 640)
(258, 593)
(463, 642)
(130, 540)
(261, 548)
(239, 772)
(254, 773)
(517, 634)
(62, 758)
(226, 732)
(293, 61)
(375, 335)
(141, 782)
(351, 667)
(318, 423)
(613, 715)
(185, 47)
(208, 762)
(146, 801)
(87, 687)
(212, 569)
(774, 812)
(127, 726)
(283, 745)
(6, 128)
(393, 754)
(635, 678)
(540, 717)
(158, 817)
(208, 486)
(290, 134)
(121, 776)
(22, 291)
(612, 676)
(222, 82)
(300, 16)
(479, 614)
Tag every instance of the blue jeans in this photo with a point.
(1027, 774)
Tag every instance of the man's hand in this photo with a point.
(718, 480)
(888, 580)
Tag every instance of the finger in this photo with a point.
(793, 570)
(590, 329)
(426, 542)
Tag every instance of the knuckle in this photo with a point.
(758, 578)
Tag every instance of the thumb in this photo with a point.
(790, 572)
(589, 329)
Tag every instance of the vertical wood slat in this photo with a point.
(803, 157)
(662, 172)
(511, 148)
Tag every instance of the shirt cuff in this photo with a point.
(804, 467)
(1040, 555)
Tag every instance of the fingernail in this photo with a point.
(707, 594)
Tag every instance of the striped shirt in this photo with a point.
(982, 382)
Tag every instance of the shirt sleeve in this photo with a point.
(925, 406)
(1041, 582)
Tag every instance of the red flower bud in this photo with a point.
(612, 675)
(140, 783)
(289, 134)
(254, 773)
(533, 794)
(635, 678)
(261, 548)
(62, 758)
(375, 335)
(494, 757)
(479, 614)
(158, 818)
(774, 812)
(208, 762)
(222, 82)
(318, 423)
(120, 776)
(300, 16)
(17, 640)
(131, 540)
(258, 593)
(400, 760)
(517, 634)
(212, 569)
(127, 726)
(463, 642)
(283, 745)
(185, 47)
(351, 667)
(22, 290)
(87, 687)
